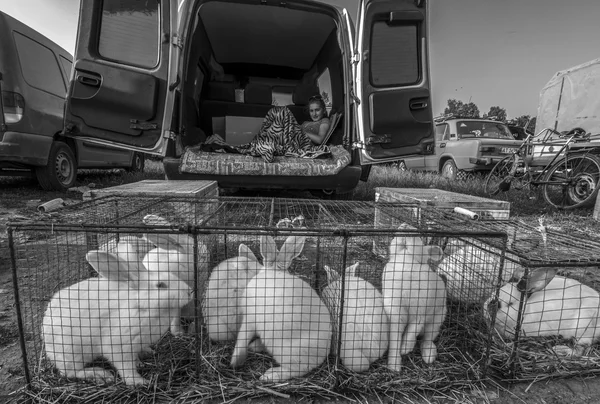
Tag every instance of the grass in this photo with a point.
(525, 205)
(16, 191)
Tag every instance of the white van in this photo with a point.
(161, 78)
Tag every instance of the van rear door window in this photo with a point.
(67, 66)
(324, 83)
(39, 66)
(394, 54)
(130, 32)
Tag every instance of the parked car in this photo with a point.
(34, 74)
(215, 67)
(519, 132)
(465, 145)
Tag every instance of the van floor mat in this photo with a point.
(196, 161)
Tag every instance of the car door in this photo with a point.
(121, 93)
(442, 135)
(391, 80)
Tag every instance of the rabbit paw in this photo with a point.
(394, 363)
(563, 350)
(428, 352)
(99, 375)
(134, 380)
(274, 375)
(176, 328)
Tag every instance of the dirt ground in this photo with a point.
(574, 390)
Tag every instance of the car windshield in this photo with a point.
(468, 129)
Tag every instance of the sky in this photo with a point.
(490, 52)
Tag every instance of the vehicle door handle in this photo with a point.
(88, 80)
(442, 145)
(418, 105)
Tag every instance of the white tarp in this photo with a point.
(571, 99)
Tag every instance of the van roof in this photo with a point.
(8, 23)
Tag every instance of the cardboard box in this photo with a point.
(241, 129)
(218, 126)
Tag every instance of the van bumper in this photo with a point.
(25, 148)
(345, 180)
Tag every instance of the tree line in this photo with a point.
(470, 110)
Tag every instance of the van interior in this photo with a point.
(244, 58)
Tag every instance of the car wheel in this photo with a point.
(137, 163)
(449, 170)
(61, 172)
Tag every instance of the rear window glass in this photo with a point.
(130, 32)
(324, 83)
(39, 66)
(440, 130)
(394, 54)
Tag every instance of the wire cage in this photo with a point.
(236, 297)
(544, 317)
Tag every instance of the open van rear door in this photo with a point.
(120, 87)
(391, 77)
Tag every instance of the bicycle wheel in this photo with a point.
(500, 179)
(572, 182)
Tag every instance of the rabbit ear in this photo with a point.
(351, 270)
(332, 275)
(114, 268)
(268, 249)
(166, 241)
(289, 250)
(245, 251)
(434, 252)
(537, 281)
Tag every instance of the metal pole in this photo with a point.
(13, 263)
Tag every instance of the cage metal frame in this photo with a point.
(445, 225)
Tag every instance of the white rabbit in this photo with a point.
(365, 325)
(116, 316)
(285, 313)
(175, 253)
(414, 298)
(226, 284)
(554, 305)
(130, 248)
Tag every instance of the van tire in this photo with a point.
(138, 162)
(61, 172)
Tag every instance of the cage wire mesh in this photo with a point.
(544, 317)
(205, 297)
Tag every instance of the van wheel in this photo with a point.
(61, 172)
(137, 163)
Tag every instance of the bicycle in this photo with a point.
(569, 180)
